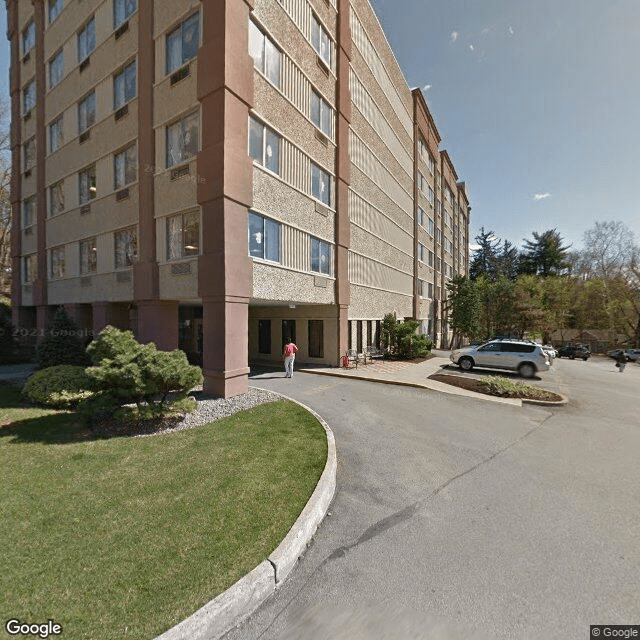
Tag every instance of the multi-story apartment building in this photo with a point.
(217, 175)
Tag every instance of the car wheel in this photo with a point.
(527, 370)
(466, 364)
(586, 358)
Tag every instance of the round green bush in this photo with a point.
(62, 386)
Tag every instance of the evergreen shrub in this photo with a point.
(62, 386)
(61, 343)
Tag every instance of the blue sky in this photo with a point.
(537, 103)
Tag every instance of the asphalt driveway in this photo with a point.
(455, 514)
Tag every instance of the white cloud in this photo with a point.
(540, 196)
(511, 31)
(473, 247)
(471, 48)
(426, 87)
(454, 36)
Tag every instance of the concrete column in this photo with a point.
(158, 323)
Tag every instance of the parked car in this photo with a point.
(573, 351)
(527, 358)
(633, 355)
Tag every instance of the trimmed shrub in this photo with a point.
(61, 343)
(62, 386)
(127, 372)
(401, 339)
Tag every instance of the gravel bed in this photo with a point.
(212, 409)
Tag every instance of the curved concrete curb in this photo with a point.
(548, 403)
(240, 600)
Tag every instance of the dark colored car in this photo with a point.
(632, 355)
(573, 351)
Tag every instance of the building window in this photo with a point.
(125, 167)
(430, 290)
(320, 184)
(28, 211)
(86, 40)
(421, 288)
(264, 237)
(432, 164)
(182, 139)
(30, 267)
(321, 113)
(125, 247)
(87, 112)
(264, 145)
(57, 263)
(183, 235)
(56, 198)
(56, 69)
(320, 256)
(29, 153)
(430, 259)
(421, 252)
(431, 227)
(438, 265)
(124, 85)
(266, 56)
(316, 338)
(29, 97)
(430, 196)
(264, 336)
(55, 135)
(421, 216)
(183, 42)
(29, 37)
(122, 9)
(88, 256)
(421, 181)
(55, 7)
(320, 40)
(87, 184)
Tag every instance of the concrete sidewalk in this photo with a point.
(406, 373)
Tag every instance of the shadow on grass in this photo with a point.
(57, 428)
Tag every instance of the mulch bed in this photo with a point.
(472, 384)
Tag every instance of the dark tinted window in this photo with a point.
(492, 346)
(514, 347)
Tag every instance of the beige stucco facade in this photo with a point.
(359, 219)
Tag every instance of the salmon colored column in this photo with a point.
(157, 320)
(225, 92)
(16, 177)
(343, 174)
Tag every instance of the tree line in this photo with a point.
(546, 287)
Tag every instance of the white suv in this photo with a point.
(526, 358)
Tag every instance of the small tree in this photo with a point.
(464, 307)
(127, 372)
(61, 343)
(9, 349)
(388, 333)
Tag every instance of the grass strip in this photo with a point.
(125, 537)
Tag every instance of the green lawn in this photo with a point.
(126, 537)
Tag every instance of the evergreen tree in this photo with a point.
(545, 255)
(463, 308)
(61, 343)
(508, 261)
(484, 260)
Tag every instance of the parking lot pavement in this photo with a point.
(516, 522)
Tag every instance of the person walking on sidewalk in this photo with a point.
(289, 355)
(621, 361)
